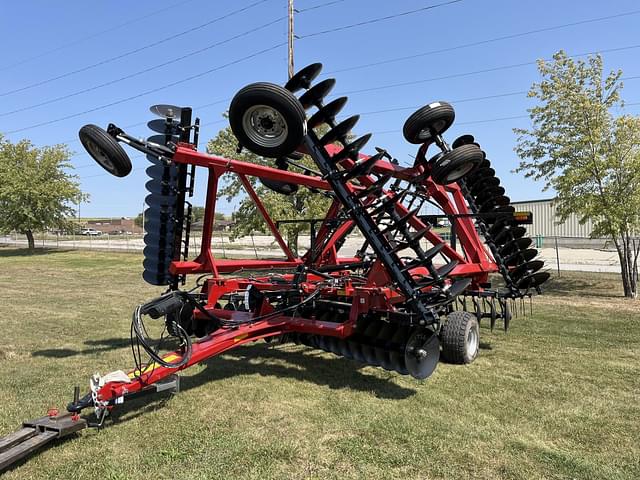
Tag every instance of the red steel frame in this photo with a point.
(475, 262)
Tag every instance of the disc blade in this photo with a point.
(161, 240)
(161, 223)
(332, 343)
(533, 280)
(159, 171)
(321, 342)
(369, 354)
(489, 192)
(397, 360)
(513, 246)
(356, 351)
(303, 78)
(162, 126)
(159, 187)
(422, 354)
(166, 111)
(506, 315)
(315, 94)
(158, 252)
(162, 139)
(509, 232)
(163, 202)
(521, 257)
(526, 269)
(340, 131)
(343, 348)
(155, 278)
(494, 314)
(327, 113)
(382, 358)
(153, 159)
(480, 185)
(462, 140)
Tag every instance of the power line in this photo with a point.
(86, 165)
(197, 107)
(382, 132)
(97, 34)
(136, 50)
(464, 100)
(379, 19)
(484, 42)
(319, 6)
(146, 70)
(484, 70)
(148, 92)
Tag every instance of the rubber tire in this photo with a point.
(454, 336)
(465, 156)
(281, 100)
(93, 137)
(283, 188)
(437, 115)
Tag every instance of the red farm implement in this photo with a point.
(405, 299)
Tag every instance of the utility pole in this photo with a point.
(290, 56)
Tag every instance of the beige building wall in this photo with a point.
(545, 222)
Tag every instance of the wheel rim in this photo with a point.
(472, 342)
(459, 172)
(265, 126)
(98, 154)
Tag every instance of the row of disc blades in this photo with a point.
(384, 344)
(385, 205)
(161, 203)
(513, 246)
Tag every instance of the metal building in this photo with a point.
(545, 222)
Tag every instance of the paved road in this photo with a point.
(570, 259)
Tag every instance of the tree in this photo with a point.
(304, 204)
(589, 156)
(35, 191)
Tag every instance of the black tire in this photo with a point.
(430, 120)
(455, 164)
(267, 119)
(105, 150)
(283, 188)
(460, 338)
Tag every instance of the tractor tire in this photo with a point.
(455, 164)
(430, 120)
(267, 119)
(105, 150)
(460, 338)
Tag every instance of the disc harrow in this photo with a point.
(404, 300)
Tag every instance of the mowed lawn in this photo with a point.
(556, 397)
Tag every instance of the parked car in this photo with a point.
(90, 231)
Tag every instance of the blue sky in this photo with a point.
(44, 40)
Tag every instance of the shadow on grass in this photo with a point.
(334, 372)
(24, 252)
(96, 346)
(574, 284)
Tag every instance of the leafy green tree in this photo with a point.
(588, 155)
(36, 193)
(304, 204)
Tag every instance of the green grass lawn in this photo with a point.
(557, 397)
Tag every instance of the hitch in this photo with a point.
(37, 433)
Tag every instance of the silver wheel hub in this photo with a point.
(265, 126)
(100, 156)
(472, 343)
